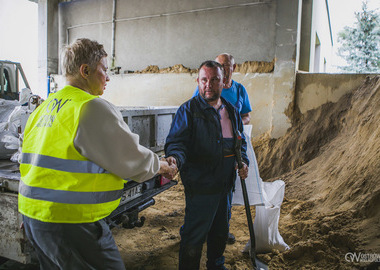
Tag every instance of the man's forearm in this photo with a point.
(245, 118)
(105, 139)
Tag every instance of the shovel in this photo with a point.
(257, 264)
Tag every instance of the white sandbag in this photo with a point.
(253, 182)
(14, 119)
(10, 121)
(16, 157)
(5, 153)
(10, 141)
(3, 126)
(267, 197)
(6, 108)
(267, 235)
(25, 94)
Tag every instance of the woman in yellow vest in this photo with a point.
(76, 152)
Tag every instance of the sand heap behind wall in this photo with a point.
(255, 67)
(246, 67)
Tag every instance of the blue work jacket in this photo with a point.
(196, 141)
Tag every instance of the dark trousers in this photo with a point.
(73, 246)
(229, 205)
(206, 217)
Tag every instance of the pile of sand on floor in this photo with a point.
(330, 162)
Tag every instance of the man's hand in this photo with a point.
(243, 172)
(171, 160)
(168, 170)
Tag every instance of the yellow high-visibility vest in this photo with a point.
(58, 184)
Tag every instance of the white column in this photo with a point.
(47, 42)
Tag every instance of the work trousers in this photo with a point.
(206, 217)
(229, 205)
(73, 246)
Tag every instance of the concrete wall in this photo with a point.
(283, 84)
(170, 32)
(314, 90)
(311, 91)
(189, 32)
(175, 89)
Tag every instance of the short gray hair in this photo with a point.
(81, 51)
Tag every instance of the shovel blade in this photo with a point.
(260, 265)
(257, 264)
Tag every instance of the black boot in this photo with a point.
(216, 264)
(231, 239)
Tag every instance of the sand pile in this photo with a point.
(330, 161)
(332, 202)
(255, 67)
(246, 67)
(174, 69)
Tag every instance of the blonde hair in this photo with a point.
(81, 51)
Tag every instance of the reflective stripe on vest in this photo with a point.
(70, 197)
(63, 196)
(66, 165)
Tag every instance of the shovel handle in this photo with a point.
(252, 253)
(238, 151)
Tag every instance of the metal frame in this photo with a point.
(18, 70)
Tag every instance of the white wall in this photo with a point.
(320, 27)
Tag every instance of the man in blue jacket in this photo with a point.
(235, 93)
(201, 143)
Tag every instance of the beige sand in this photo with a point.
(330, 161)
(246, 67)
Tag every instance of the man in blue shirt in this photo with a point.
(236, 94)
